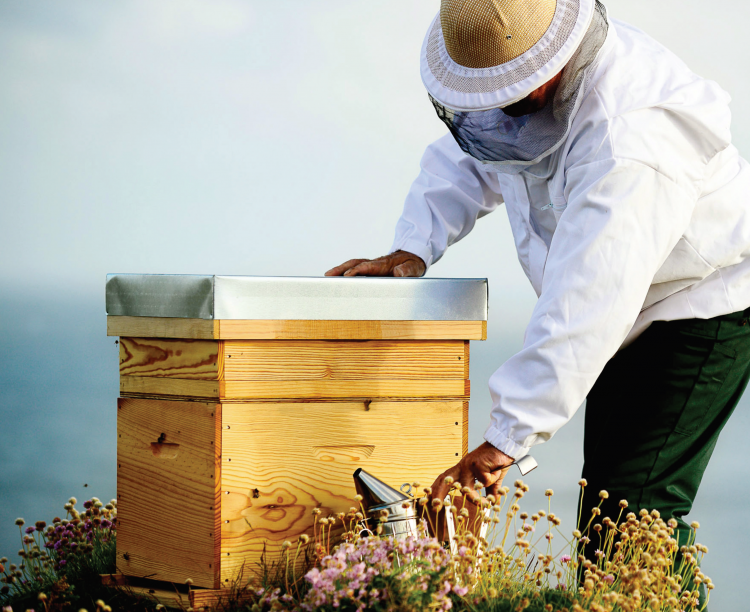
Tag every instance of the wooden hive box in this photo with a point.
(246, 402)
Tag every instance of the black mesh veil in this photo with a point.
(498, 140)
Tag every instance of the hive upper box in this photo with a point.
(296, 298)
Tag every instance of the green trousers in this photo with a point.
(655, 414)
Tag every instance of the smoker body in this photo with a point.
(245, 402)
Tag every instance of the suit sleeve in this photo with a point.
(444, 202)
(622, 220)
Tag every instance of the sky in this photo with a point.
(246, 137)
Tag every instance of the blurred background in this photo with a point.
(258, 138)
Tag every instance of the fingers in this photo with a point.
(468, 479)
(494, 488)
(362, 267)
(409, 269)
(372, 267)
(339, 270)
(399, 263)
(439, 487)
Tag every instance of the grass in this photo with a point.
(523, 563)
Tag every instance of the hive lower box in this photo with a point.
(227, 444)
(237, 478)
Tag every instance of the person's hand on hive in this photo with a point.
(399, 263)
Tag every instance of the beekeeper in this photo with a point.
(630, 210)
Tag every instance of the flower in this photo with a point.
(565, 559)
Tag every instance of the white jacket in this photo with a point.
(643, 214)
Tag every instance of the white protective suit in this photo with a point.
(643, 214)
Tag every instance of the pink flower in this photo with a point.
(565, 559)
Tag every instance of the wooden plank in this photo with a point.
(191, 359)
(293, 389)
(230, 329)
(208, 599)
(466, 359)
(282, 460)
(259, 389)
(343, 359)
(162, 327)
(166, 597)
(113, 580)
(169, 595)
(170, 387)
(287, 400)
(168, 477)
(465, 429)
(352, 330)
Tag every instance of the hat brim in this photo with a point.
(469, 89)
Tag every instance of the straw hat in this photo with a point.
(482, 54)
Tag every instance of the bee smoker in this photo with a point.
(399, 508)
(379, 499)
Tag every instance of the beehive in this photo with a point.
(245, 402)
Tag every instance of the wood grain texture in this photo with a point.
(191, 359)
(282, 460)
(226, 329)
(166, 597)
(352, 330)
(113, 580)
(465, 429)
(258, 389)
(343, 359)
(232, 390)
(167, 510)
(170, 387)
(162, 327)
(202, 600)
(169, 595)
(283, 400)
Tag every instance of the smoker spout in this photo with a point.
(375, 492)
